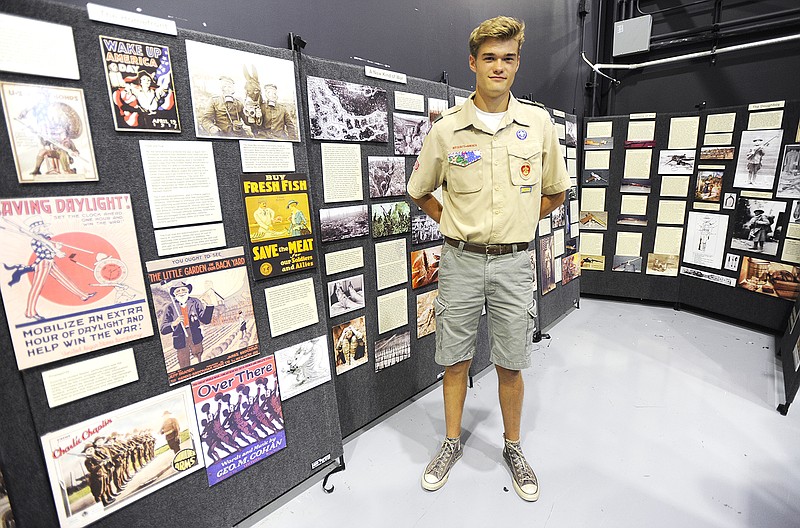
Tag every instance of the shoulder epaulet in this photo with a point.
(533, 103)
(449, 111)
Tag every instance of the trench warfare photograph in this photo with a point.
(70, 276)
(409, 132)
(757, 162)
(140, 86)
(391, 218)
(340, 223)
(241, 95)
(343, 111)
(387, 176)
(392, 350)
(49, 133)
(424, 229)
(112, 460)
(240, 417)
(303, 366)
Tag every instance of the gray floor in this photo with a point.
(635, 416)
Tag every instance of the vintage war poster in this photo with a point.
(49, 133)
(240, 417)
(278, 218)
(140, 86)
(107, 462)
(204, 312)
(71, 276)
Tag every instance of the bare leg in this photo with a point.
(511, 390)
(454, 388)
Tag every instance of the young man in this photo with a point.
(500, 167)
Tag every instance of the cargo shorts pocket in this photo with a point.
(439, 309)
(532, 313)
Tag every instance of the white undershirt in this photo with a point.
(489, 119)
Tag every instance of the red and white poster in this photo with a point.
(71, 276)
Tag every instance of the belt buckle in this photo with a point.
(494, 249)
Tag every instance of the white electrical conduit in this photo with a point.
(597, 67)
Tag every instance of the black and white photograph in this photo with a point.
(302, 366)
(730, 201)
(755, 223)
(595, 177)
(392, 350)
(571, 134)
(558, 218)
(424, 229)
(241, 95)
(676, 162)
(391, 218)
(435, 108)
(634, 186)
(343, 111)
(387, 176)
(627, 264)
(339, 223)
(789, 179)
(345, 295)
(757, 162)
(731, 262)
(409, 131)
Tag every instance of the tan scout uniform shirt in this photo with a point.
(492, 183)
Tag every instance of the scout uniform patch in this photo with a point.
(464, 157)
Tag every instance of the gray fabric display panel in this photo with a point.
(364, 394)
(311, 418)
(768, 307)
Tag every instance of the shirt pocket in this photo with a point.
(525, 164)
(465, 179)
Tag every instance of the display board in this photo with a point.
(313, 438)
(211, 261)
(705, 204)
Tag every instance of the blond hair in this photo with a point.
(501, 27)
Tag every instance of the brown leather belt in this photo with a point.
(491, 249)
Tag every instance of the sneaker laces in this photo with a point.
(442, 459)
(521, 467)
